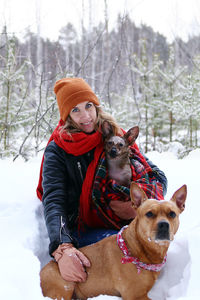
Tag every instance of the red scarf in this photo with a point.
(78, 144)
(75, 144)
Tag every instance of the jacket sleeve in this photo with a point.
(55, 197)
(160, 175)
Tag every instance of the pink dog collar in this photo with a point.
(131, 259)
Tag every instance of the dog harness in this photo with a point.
(131, 259)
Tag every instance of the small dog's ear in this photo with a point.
(138, 196)
(179, 197)
(107, 129)
(132, 135)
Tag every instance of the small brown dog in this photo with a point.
(128, 264)
(117, 153)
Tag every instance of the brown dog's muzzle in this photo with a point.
(162, 231)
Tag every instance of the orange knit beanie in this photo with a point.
(70, 92)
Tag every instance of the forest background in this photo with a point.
(139, 76)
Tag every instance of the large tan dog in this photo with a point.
(130, 274)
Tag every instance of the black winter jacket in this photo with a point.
(63, 175)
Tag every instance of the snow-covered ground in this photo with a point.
(24, 240)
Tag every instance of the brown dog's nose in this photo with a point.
(162, 231)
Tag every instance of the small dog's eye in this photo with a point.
(149, 214)
(121, 145)
(110, 143)
(172, 214)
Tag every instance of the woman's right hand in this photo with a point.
(122, 209)
(71, 263)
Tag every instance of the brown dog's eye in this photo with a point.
(121, 145)
(149, 214)
(172, 214)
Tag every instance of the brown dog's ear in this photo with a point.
(131, 135)
(138, 196)
(179, 197)
(107, 129)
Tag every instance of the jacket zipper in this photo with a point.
(80, 169)
(62, 224)
(62, 227)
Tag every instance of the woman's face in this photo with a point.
(84, 115)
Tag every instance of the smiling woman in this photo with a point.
(69, 169)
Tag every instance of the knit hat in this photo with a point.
(70, 92)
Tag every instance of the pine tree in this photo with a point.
(189, 107)
(14, 106)
(171, 75)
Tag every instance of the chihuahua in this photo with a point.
(117, 153)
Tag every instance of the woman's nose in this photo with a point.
(84, 113)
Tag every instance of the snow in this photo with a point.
(24, 242)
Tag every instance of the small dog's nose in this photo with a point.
(162, 230)
(113, 152)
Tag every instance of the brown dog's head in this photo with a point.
(114, 145)
(157, 221)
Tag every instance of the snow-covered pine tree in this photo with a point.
(145, 75)
(171, 76)
(14, 106)
(189, 107)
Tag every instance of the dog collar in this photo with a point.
(131, 259)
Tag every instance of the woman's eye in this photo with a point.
(75, 109)
(88, 105)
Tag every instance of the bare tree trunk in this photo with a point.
(94, 52)
(82, 50)
(30, 80)
(6, 124)
(73, 59)
(191, 132)
(170, 126)
(38, 94)
(154, 139)
(171, 116)
(146, 124)
(104, 41)
(107, 53)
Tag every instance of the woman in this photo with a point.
(67, 173)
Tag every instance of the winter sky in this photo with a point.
(169, 17)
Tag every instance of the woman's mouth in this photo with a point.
(87, 126)
(86, 123)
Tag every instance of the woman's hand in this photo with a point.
(71, 263)
(122, 209)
